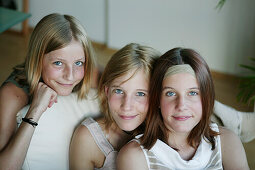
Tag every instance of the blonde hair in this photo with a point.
(131, 57)
(53, 32)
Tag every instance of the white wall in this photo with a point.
(225, 39)
(89, 12)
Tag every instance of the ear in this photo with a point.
(106, 90)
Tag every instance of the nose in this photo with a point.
(68, 73)
(180, 103)
(127, 103)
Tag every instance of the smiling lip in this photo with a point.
(181, 118)
(66, 85)
(127, 117)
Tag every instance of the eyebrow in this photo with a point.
(117, 86)
(174, 89)
(59, 58)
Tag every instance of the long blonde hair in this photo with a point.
(54, 32)
(132, 56)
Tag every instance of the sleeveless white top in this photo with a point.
(98, 135)
(49, 147)
(163, 157)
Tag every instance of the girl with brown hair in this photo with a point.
(178, 132)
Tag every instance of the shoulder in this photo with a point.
(11, 95)
(131, 156)
(84, 152)
(82, 136)
(233, 153)
(229, 139)
(228, 136)
(10, 88)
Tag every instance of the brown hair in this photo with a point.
(155, 128)
(53, 32)
(132, 56)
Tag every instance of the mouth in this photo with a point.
(181, 118)
(127, 117)
(65, 85)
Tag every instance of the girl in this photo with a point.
(59, 61)
(178, 132)
(123, 93)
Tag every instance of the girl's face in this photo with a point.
(63, 69)
(180, 102)
(128, 99)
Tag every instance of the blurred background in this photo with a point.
(224, 37)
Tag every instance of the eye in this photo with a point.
(79, 63)
(118, 91)
(140, 94)
(170, 93)
(58, 63)
(193, 93)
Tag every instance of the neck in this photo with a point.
(118, 137)
(178, 141)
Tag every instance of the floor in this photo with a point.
(13, 49)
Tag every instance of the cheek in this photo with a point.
(113, 101)
(166, 106)
(198, 108)
(79, 73)
(143, 105)
(50, 73)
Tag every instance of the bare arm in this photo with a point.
(131, 156)
(233, 153)
(15, 145)
(84, 153)
(12, 99)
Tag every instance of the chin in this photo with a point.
(128, 128)
(66, 93)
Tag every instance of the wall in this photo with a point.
(89, 12)
(224, 38)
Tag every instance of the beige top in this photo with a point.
(104, 145)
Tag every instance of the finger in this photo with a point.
(50, 104)
(53, 98)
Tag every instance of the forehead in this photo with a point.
(73, 50)
(135, 78)
(180, 80)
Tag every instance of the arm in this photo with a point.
(13, 152)
(12, 99)
(131, 156)
(84, 152)
(233, 153)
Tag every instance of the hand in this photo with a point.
(43, 98)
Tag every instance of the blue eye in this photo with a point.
(58, 63)
(140, 94)
(118, 91)
(193, 93)
(170, 93)
(79, 63)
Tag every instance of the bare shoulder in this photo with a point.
(11, 92)
(83, 139)
(131, 156)
(84, 152)
(227, 137)
(233, 153)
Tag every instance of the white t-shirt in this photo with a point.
(49, 147)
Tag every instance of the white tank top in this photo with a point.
(163, 157)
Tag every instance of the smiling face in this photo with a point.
(128, 101)
(63, 69)
(180, 102)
